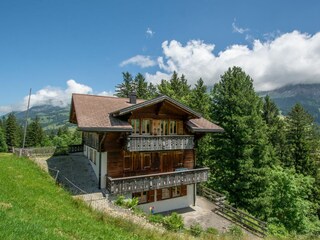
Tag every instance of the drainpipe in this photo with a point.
(100, 156)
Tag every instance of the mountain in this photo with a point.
(308, 95)
(286, 97)
(51, 117)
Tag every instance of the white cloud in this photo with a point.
(238, 29)
(290, 58)
(142, 61)
(52, 96)
(149, 32)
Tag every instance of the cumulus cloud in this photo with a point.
(54, 96)
(149, 32)
(289, 58)
(141, 61)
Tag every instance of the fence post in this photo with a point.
(56, 178)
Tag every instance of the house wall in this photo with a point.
(93, 155)
(165, 205)
(170, 204)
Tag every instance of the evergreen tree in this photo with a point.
(240, 157)
(200, 99)
(13, 131)
(138, 84)
(126, 87)
(3, 144)
(176, 88)
(302, 140)
(276, 130)
(35, 134)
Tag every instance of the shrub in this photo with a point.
(196, 230)
(131, 203)
(173, 222)
(235, 231)
(156, 218)
(212, 231)
(120, 201)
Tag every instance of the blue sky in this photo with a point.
(57, 47)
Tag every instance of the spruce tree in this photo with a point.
(13, 131)
(200, 99)
(3, 144)
(35, 134)
(302, 140)
(240, 157)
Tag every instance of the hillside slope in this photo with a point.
(308, 95)
(33, 207)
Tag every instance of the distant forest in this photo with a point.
(265, 163)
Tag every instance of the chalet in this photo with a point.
(143, 148)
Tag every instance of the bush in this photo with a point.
(156, 218)
(212, 231)
(131, 203)
(173, 222)
(120, 201)
(235, 231)
(196, 230)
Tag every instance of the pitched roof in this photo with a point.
(203, 125)
(102, 113)
(93, 112)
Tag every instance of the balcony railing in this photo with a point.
(164, 142)
(156, 181)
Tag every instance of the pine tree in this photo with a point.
(200, 99)
(240, 157)
(176, 88)
(13, 131)
(3, 144)
(126, 87)
(303, 141)
(35, 134)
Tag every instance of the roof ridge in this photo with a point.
(103, 96)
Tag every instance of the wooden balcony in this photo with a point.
(156, 181)
(158, 143)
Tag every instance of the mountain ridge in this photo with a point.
(308, 95)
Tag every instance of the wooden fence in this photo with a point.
(240, 217)
(47, 151)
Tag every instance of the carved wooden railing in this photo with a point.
(156, 181)
(164, 142)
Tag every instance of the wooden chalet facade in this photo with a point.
(141, 148)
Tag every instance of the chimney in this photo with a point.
(133, 98)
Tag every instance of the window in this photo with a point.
(165, 193)
(173, 127)
(176, 191)
(135, 123)
(144, 197)
(145, 128)
(164, 127)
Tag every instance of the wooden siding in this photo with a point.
(189, 159)
(115, 164)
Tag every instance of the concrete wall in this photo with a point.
(172, 203)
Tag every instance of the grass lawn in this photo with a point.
(33, 207)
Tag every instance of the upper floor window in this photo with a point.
(145, 128)
(135, 123)
(173, 127)
(164, 127)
